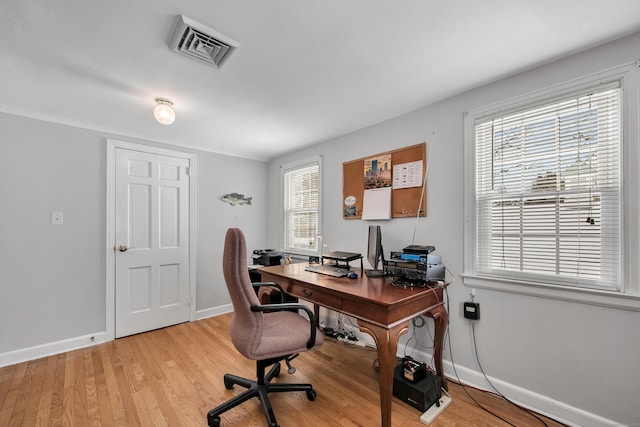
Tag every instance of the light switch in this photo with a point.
(57, 218)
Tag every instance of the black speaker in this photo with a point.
(420, 395)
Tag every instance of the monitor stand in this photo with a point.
(375, 273)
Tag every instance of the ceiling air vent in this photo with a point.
(202, 43)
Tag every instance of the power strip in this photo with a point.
(434, 410)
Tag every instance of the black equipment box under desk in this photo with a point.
(420, 395)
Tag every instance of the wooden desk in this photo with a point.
(382, 310)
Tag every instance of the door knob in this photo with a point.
(123, 248)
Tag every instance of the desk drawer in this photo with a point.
(314, 295)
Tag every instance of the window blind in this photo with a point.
(301, 206)
(548, 192)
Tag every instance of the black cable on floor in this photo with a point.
(458, 378)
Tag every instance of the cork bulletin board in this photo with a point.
(404, 201)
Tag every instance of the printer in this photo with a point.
(266, 257)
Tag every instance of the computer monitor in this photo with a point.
(375, 253)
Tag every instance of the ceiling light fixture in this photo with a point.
(163, 112)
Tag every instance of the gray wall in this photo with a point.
(52, 278)
(52, 283)
(582, 357)
(218, 175)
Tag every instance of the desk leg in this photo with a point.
(316, 313)
(387, 345)
(439, 316)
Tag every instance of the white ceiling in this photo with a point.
(306, 70)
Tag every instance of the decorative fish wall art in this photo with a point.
(236, 199)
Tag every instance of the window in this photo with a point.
(545, 198)
(301, 185)
(548, 191)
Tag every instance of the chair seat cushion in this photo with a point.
(283, 333)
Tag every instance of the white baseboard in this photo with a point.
(539, 403)
(44, 350)
(551, 408)
(214, 311)
(70, 344)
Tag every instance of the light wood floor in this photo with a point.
(173, 376)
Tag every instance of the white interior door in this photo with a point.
(152, 241)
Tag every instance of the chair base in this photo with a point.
(260, 389)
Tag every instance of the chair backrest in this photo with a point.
(246, 325)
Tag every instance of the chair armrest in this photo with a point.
(280, 307)
(271, 285)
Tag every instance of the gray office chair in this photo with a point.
(264, 333)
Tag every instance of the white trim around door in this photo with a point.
(112, 145)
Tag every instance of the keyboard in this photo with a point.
(329, 270)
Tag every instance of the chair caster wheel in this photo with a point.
(215, 422)
(228, 385)
(311, 395)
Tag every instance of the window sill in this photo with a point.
(581, 296)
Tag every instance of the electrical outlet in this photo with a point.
(57, 218)
(471, 310)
